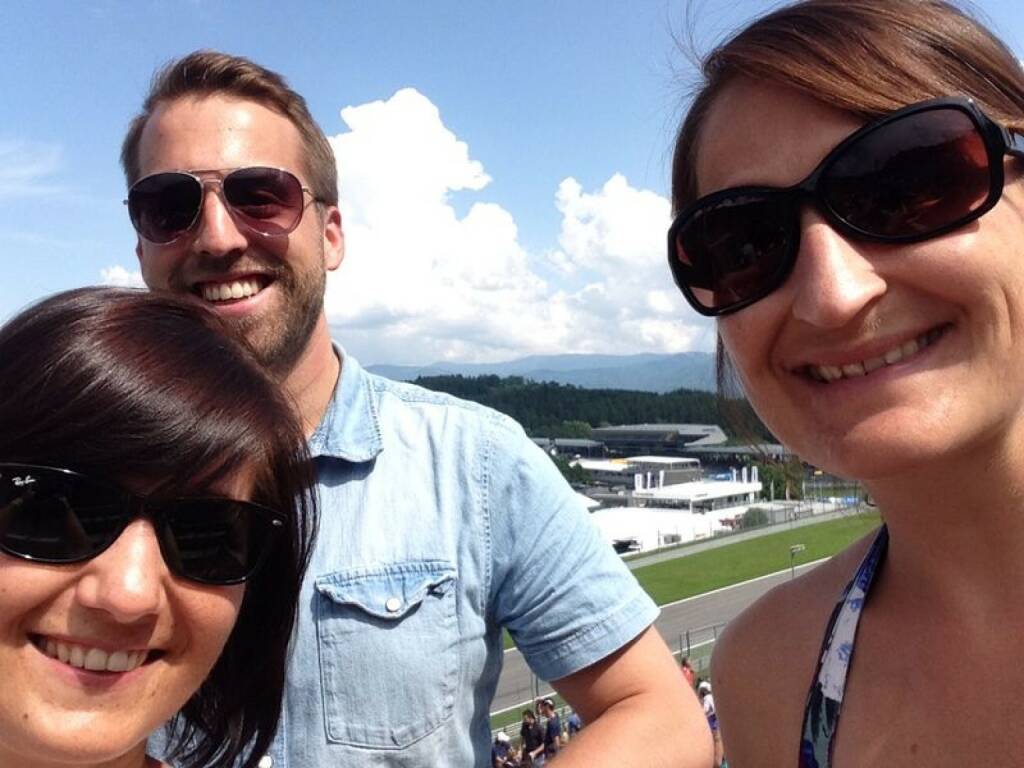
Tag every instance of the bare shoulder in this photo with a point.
(765, 659)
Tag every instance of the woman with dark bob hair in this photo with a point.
(155, 522)
(850, 206)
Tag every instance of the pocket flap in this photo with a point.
(390, 591)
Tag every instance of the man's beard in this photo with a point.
(278, 340)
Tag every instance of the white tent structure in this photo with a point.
(652, 527)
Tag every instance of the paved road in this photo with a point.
(696, 614)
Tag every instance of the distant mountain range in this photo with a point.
(644, 372)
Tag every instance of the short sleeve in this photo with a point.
(560, 589)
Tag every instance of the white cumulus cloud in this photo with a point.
(615, 238)
(420, 283)
(121, 277)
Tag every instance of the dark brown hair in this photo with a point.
(866, 57)
(119, 383)
(206, 73)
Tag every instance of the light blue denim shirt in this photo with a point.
(441, 522)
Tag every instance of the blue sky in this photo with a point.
(524, 145)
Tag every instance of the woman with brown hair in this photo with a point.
(850, 206)
(155, 522)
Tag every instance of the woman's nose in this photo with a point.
(834, 281)
(127, 579)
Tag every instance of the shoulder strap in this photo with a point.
(824, 702)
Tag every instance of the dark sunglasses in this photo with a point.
(52, 515)
(917, 173)
(269, 201)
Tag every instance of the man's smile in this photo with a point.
(231, 289)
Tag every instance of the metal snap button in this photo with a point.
(393, 604)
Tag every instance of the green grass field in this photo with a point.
(704, 571)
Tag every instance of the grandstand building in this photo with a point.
(658, 439)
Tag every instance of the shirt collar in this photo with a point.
(350, 428)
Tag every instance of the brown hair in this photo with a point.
(205, 73)
(119, 383)
(866, 57)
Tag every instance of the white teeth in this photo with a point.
(117, 662)
(854, 369)
(830, 373)
(93, 659)
(873, 364)
(237, 289)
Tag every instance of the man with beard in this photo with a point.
(440, 522)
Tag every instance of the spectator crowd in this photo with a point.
(542, 734)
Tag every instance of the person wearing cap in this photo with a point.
(500, 749)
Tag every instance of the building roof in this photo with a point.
(698, 434)
(606, 465)
(567, 442)
(699, 491)
(659, 459)
(775, 450)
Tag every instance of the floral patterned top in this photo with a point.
(825, 700)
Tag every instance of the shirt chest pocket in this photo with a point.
(389, 652)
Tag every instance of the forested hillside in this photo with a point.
(561, 410)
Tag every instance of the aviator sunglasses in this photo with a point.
(51, 515)
(269, 201)
(920, 172)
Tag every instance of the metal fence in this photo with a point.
(695, 644)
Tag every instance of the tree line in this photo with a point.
(549, 409)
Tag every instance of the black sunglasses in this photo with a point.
(52, 515)
(269, 201)
(920, 172)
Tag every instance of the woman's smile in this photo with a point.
(87, 656)
(858, 365)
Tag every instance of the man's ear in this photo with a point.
(334, 238)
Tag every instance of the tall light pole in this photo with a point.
(793, 550)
